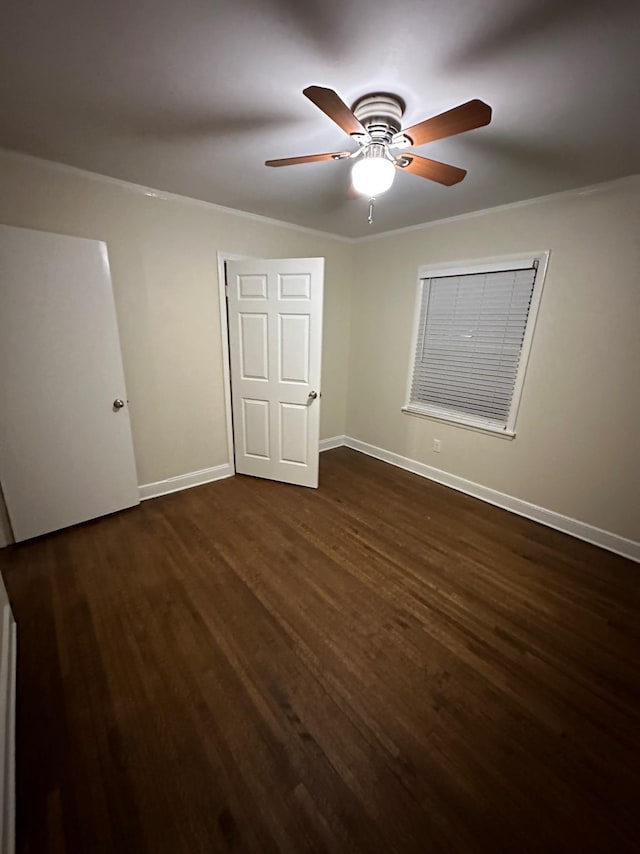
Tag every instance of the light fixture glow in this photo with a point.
(373, 173)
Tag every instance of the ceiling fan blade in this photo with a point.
(473, 114)
(433, 170)
(333, 106)
(307, 158)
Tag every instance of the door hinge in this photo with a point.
(226, 291)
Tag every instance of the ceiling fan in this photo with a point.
(374, 123)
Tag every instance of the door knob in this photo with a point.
(313, 395)
(117, 403)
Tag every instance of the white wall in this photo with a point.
(163, 256)
(577, 448)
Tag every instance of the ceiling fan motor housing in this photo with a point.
(381, 114)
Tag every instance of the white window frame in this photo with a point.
(477, 266)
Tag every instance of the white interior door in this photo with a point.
(275, 344)
(66, 453)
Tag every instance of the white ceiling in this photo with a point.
(193, 96)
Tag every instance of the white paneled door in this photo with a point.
(275, 345)
(66, 453)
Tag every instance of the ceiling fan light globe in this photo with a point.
(372, 176)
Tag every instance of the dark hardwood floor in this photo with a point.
(382, 665)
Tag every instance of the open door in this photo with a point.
(66, 453)
(275, 345)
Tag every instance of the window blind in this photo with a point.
(470, 334)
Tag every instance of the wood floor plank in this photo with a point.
(379, 665)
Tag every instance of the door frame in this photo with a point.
(223, 257)
(6, 531)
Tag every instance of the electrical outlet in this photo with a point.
(437, 445)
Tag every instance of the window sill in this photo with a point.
(445, 418)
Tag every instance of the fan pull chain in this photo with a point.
(370, 217)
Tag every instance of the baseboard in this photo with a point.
(9, 821)
(184, 481)
(598, 537)
(333, 442)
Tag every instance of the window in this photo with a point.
(474, 325)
